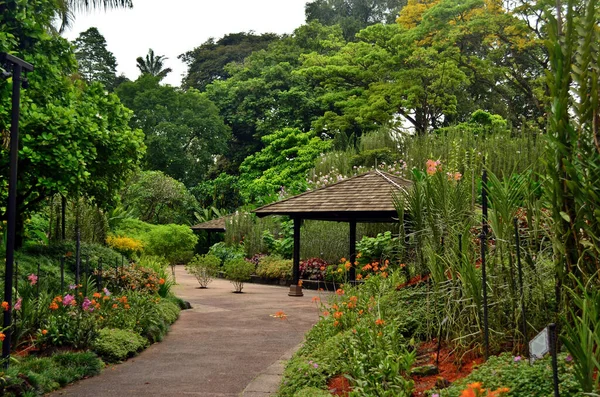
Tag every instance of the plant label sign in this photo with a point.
(539, 346)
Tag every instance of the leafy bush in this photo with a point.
(377, 248)
(173, 242)
(115, 345)
(238, 271)
(125, 245)
(204, 268)
(520, 377)
(134, 228)
(275, 267)
(313, 269)
(227, 252)
(45, 374)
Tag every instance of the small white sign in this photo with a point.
(539, 346)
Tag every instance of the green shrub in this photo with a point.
(204, 268)
(272, 266)
(115, 345)
(42, 375)
(173, 242)
(57, 250)
(226, 252)
(520, 377)
(237, 271)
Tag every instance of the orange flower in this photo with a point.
(53, 306)
(44, 331)
(325, 313)
(384, 274)
(316, 299)
(361, 311)
(359, 276)
(380, 334)
(5, 306)
(354, 299)
(280, 314)
(2, 336)
(379, 322)
(105, 298)
(299, 283)
(367, 267)
(340, 292)
(347, 265)
(161, 281)
(97, 295)
(354, 330)
(336, 323)
(126, 306)
(338, 315)
(114, 306)
(342, 260)
(322, 268)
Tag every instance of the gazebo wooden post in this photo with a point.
(295, 289)
(352, 250)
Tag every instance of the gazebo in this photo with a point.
(213, 226)
(368, 197)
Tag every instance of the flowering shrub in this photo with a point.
(133, 277)
(313, 269)
(125, 245)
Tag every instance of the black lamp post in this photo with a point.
(17, 66)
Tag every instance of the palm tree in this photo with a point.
(153, 65)
(65, 11)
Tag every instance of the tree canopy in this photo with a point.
(206, 63)
(153, 65)
(183, 128)
(75, 138)
(95, 62)
(353, 15)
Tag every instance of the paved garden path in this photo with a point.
(226, 345)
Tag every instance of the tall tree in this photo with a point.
(75, 138)
(441, 62)
(264, 94)
(207, 62)
(183, 128)
(353, 15)
(153, 65)
(96, 63)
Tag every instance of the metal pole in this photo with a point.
(64, 217)
(18, 65)
(77, 253)
(62, 274)
(86, 270)
(99, 275)
(520, 268)
(352, 251)
(483, 239)
(553, 352)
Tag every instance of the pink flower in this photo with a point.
(517, 359)
(32, 279)
(87, 305)
(106, 291)
(68, 299)
(18, 304)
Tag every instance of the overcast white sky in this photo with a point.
(173, 27)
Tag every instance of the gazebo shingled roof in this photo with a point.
(368, 197)
(363, 198)
(214, 225)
